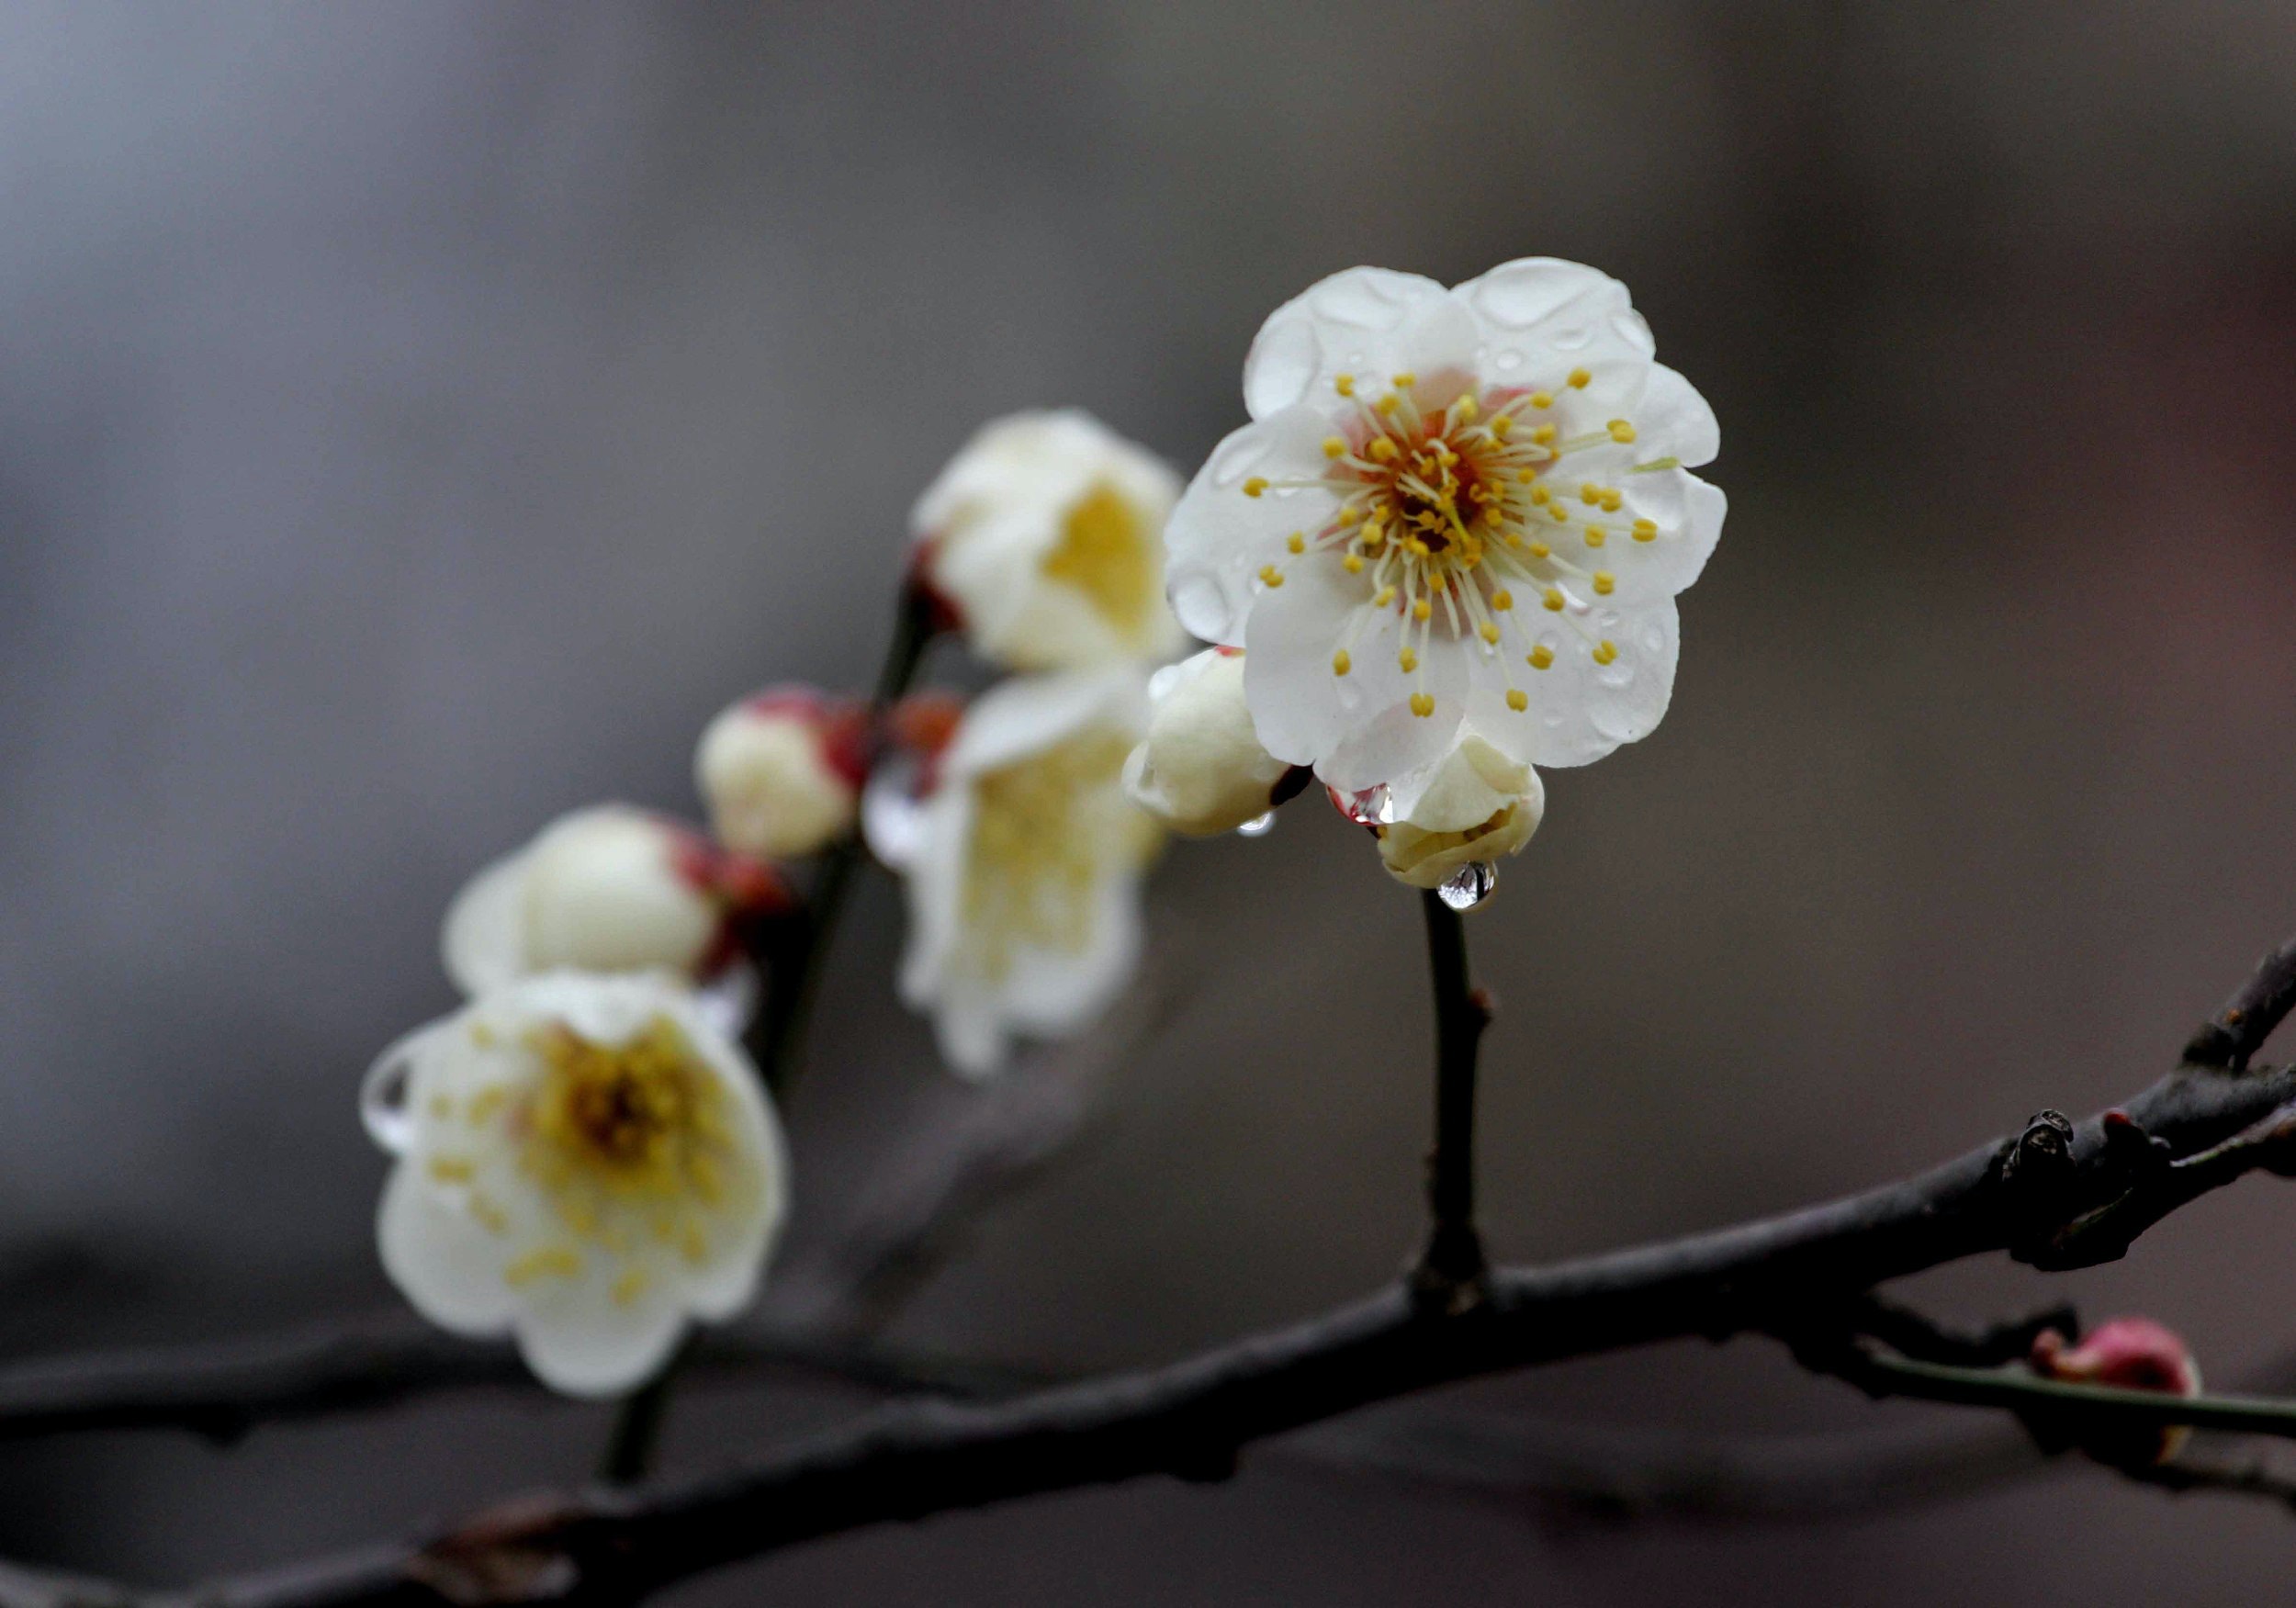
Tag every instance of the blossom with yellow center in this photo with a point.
(1504, 442)
(1025, 865)
(1045, 537)
(585, 1162)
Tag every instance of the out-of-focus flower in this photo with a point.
(1473, 804)
(1201, 770)
(608, 888)
(1452, 505)
(1044, 537)
(1024, 865)
(2132, 1354)
(583, 1162)
(783, 770)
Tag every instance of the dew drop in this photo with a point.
(892, 816)
(1470, 886)
(1257, 826)
(383, 1099)
(1374, 807)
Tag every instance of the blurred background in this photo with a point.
(417, 420)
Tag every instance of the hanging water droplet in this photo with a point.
(1374, 807)
(383, 1099)
(1470, 886)
(1257, 826)
(891, 814)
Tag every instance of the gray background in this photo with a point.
(417, 418)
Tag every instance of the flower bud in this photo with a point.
(2130, 1353)
(1202, 771)
(1043, 538)
(783, 771)
(1473, 804)
(605, 889)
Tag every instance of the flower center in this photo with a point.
(1103, 553)
(1038, 844)
(641, 1119)
(1445, 511)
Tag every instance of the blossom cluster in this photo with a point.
(1445, 550)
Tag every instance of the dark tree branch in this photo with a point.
(1450, 1272)
(1189, 1419)
(2239, 1030)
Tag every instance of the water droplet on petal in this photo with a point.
(383, 1099)
(1257, 826)
(893, 817)
(1470, 886)
(1374, 807)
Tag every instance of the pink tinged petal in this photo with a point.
(1674, 420)
(1579, 709)
(1218, 538)
(1356, 729)
(1346, 324)
(448, 1267)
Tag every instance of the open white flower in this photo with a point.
(1045, 536)
(1024, 866)
(584, 1162)
(1455, 505)
(609, 888)
(1473, 804)
(783, 770)
(1202, 771)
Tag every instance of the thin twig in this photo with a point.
(1450, 1276)
(795, 946)
(2096, 1408)
(2228, 1038)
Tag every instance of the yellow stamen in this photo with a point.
(1382, 449)
(1606, 651)
(1646, 530)
(1491, 634)
(1518, 700)
(1542, 399)
(1422, 705)
(1603, 581)
(1335, 447)
(1540, 657)
(1553, 599)
(1296, 542)
(1578, 377)
(1255, 485)
(1621, 432)
(1503, 599)
(1408, 659)
(1270, 576)
(1343, 383)
(1341, 663)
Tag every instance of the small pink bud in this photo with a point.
(2129, 1354)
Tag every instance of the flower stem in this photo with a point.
(1449, 1278)
(2091, 1406)
(791, 959)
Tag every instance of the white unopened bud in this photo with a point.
(605, 889)
(783, 771)
(1473, 804)
(1201, 770)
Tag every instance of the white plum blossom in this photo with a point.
(1451, 505)
(1024, 864)
(608, 888)
(1202, 771)
(1045, 536)
(783, 770)
(583, 1162)
(1474, 805)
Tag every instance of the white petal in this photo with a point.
(1580, 710)
(483, 944)
(1218, 538)
(1030, 714)
(1356, 729)
(1051, 993)
(1674, 421)
(448, 1267)
(582, 1342)
(1348, 323)
(1540, 317)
